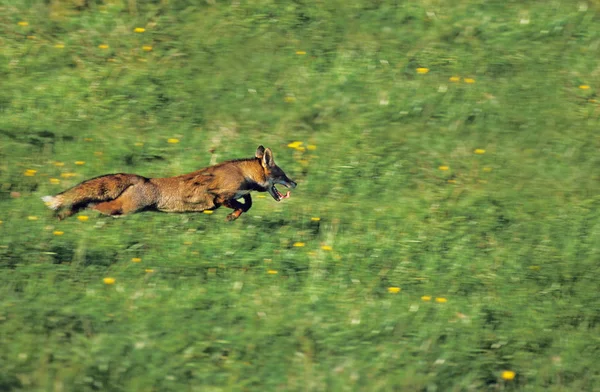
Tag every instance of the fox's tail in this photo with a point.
(91, 192)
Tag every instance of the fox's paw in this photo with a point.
(233, 216)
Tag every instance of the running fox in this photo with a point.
(205, 189)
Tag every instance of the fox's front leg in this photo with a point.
(238, 207)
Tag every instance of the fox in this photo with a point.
(223, 184)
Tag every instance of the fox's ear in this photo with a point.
(267, 159)
(260, 151)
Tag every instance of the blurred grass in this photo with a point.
(508, 237)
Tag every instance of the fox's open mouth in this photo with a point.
(277, 195)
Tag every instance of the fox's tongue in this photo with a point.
(286, 196)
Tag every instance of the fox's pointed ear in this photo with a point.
(260, 151)
(267, 159)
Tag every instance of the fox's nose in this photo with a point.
(292, 184)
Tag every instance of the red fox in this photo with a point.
(205, 189)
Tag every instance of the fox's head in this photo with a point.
(273, 174)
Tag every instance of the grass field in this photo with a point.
(444, 234)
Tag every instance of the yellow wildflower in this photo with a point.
(508, 375)
(32, 218)
(149, 270)
(103, 46)
(394, 290)
(23, 23)
(289, 99)
(208, 212)
(68, 175)
(58, 164)
(311, 147)
(139, 30)
(455, 79)
(147, 48)
(584, 87)
(30, 172)
(479, 151)
(136, 260)
(300, 52)
(80, 163)
(109, 280)
(426, 298)
(422, 70)
(83, 218)
(294, 144)
(451, 181)
(299, 244)
(59, 46)
(54, 181)
(441, 300)
(58, 232)
(326, 247)
(172, 141)
(443, 168)
(31, 37)
(272, 272)
(469, 80)
(315, 219)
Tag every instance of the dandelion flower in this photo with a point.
(426, 298)
(172, 141)
(300, 52)
(23, 23)
(58, 232)
(58, 164)
(139, 30)
(394, 290)
(508, 375)
(109, 280)
(59, 46)
(441, 300)
(443, 168)
(103, 46)
(289, 99)
(83, 218)
(68, 175)
(326, 247)
(29, 173)
(315, 219)
(80, 163)
(207, 212)
(584, 87)
(299, 244)
(272, 272)
(32, 218)
(311, 147)
(136, 260)
(469, 80)
(295, 144)
(455, 79)
(54, 181)
(422, 70)
(149, 270)
(147, 48)
(479, 151)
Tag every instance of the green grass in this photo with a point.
(510, 238)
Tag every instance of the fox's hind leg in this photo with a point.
(128, 202)
(238, 207)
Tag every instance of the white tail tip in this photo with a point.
(53, 202)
